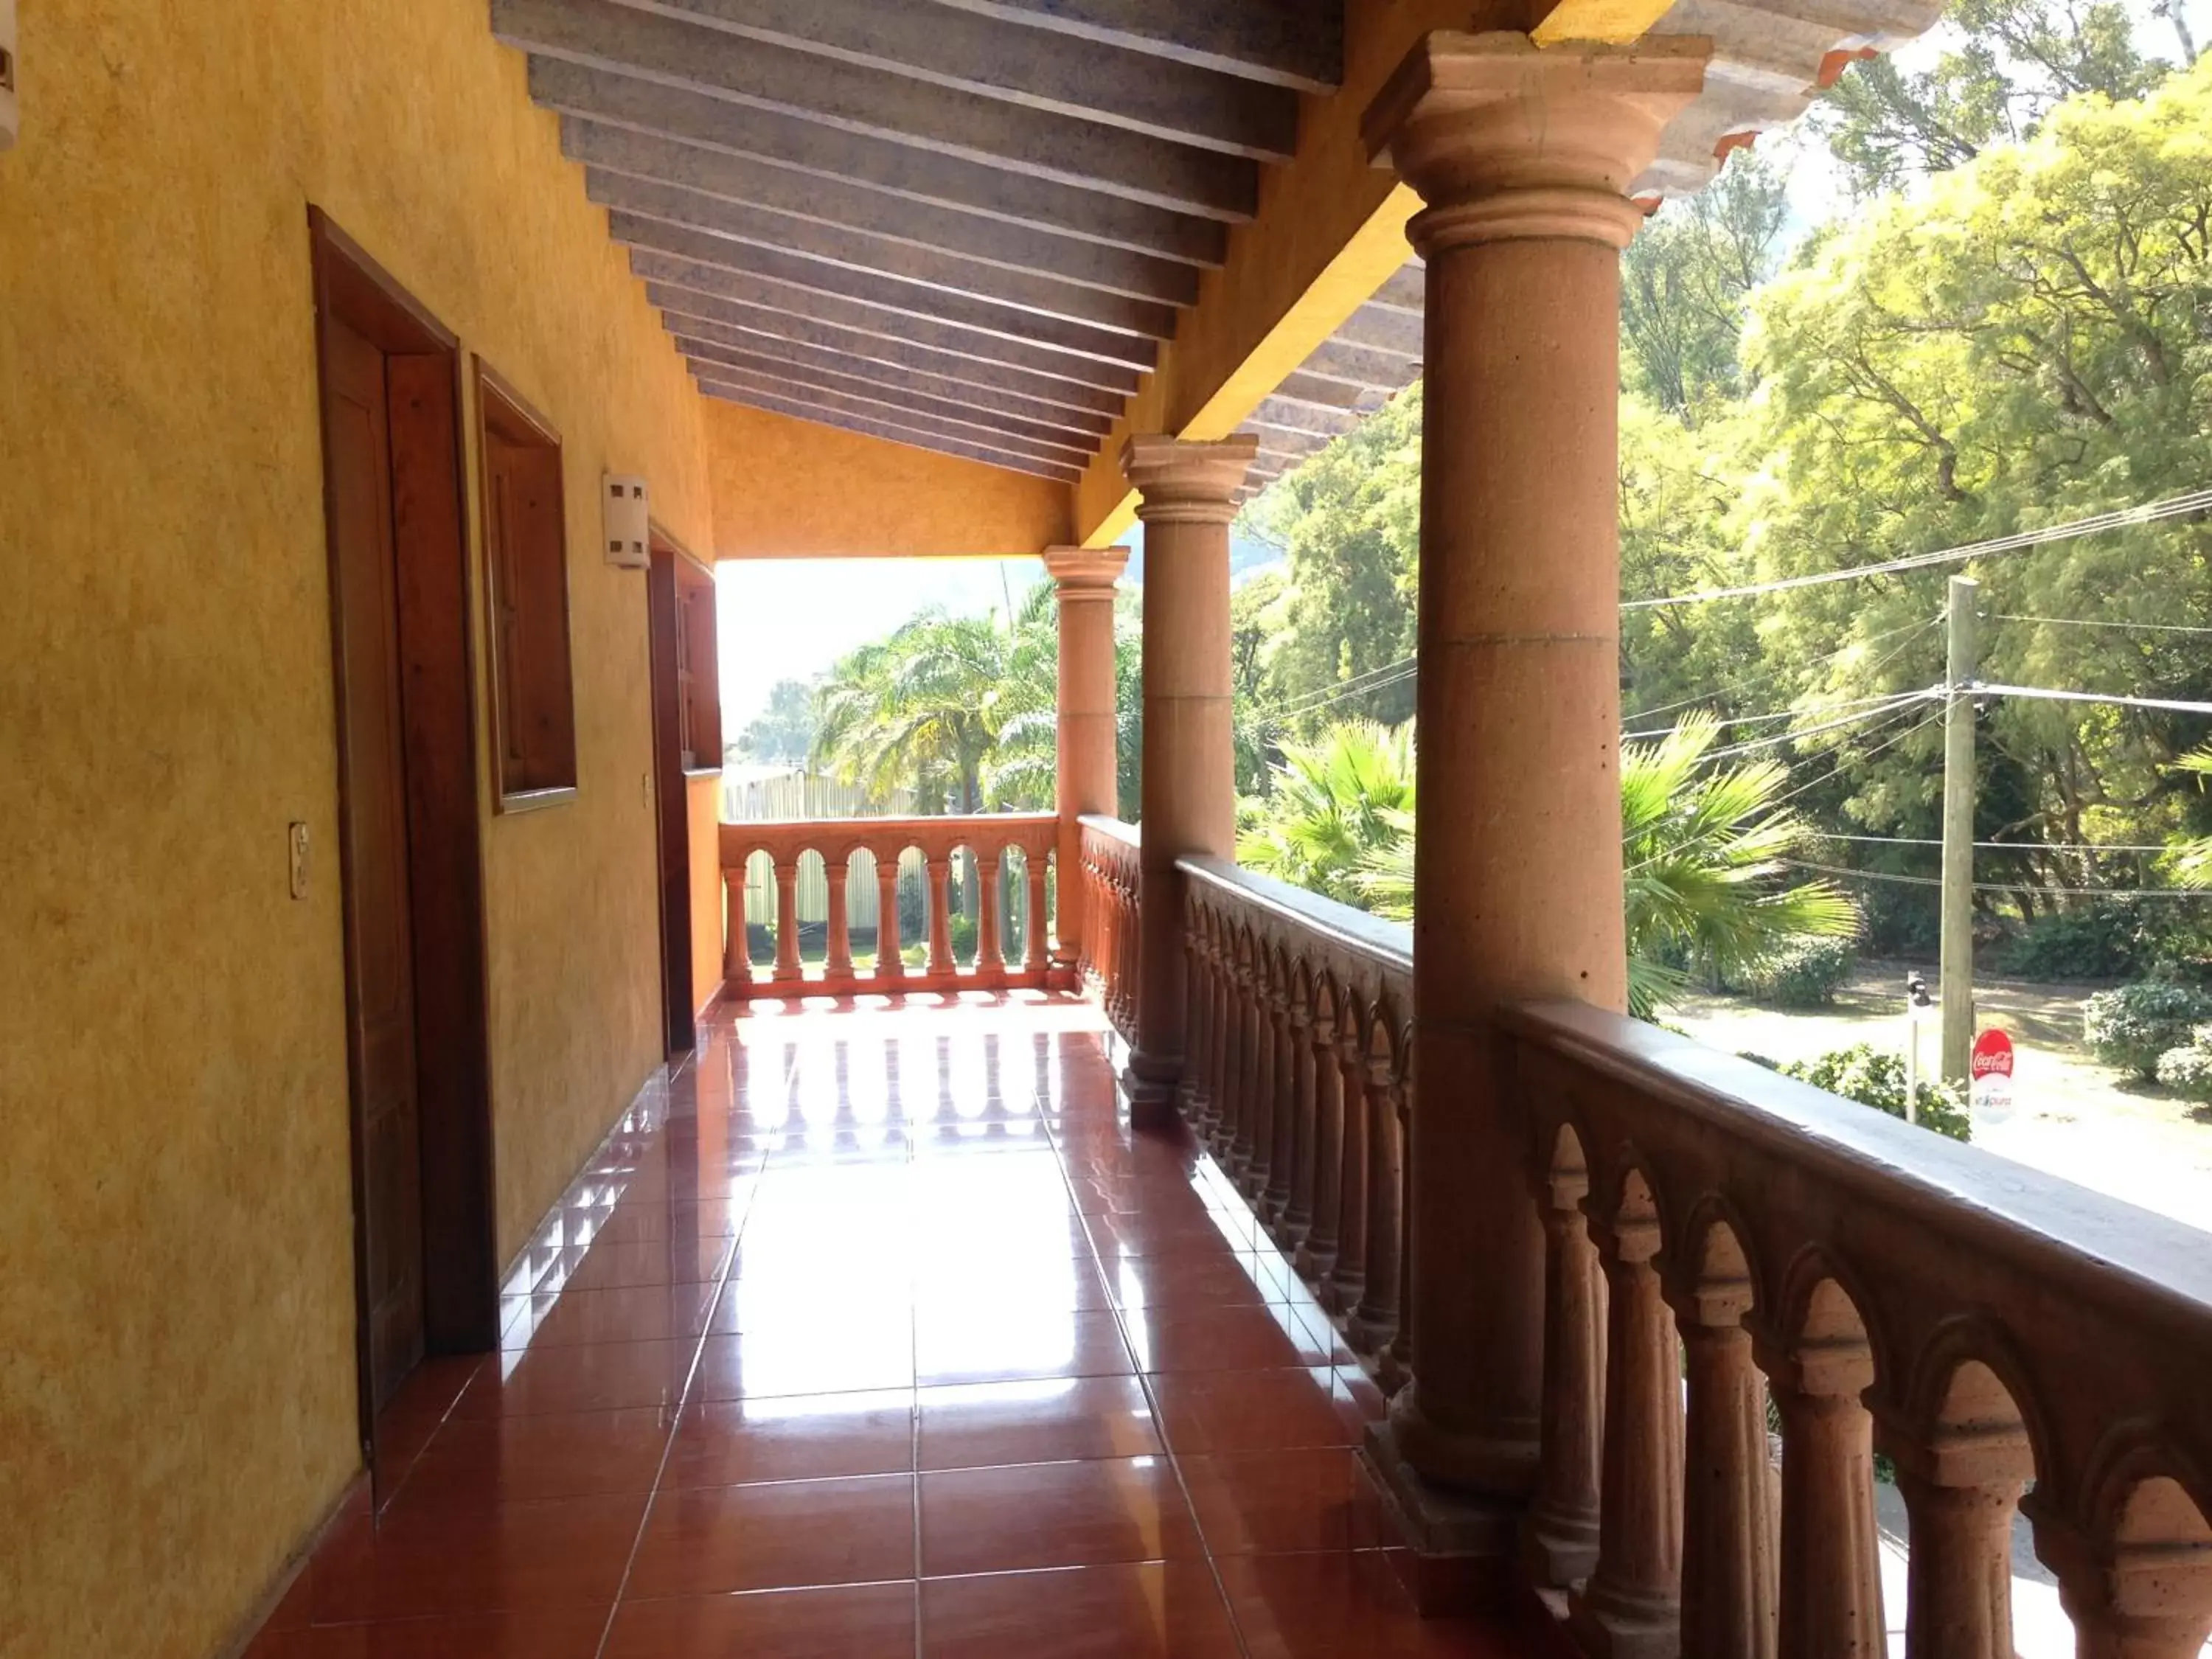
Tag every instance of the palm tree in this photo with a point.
(916, 711)
(1706, 847)
(1333, 807)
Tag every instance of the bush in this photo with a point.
(2132, 1026)
(2106, 942)
(1875, 1076)
(2188, 1070)
(1803, 975)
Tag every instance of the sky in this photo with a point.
(791, 618)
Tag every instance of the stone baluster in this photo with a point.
(1200, 1106)
(990, 953)
(737, 958)
(1961, 1478)
(1186, 1087)
(1036, 954)
(1320, 1183)
(1728, 1521)
(1266, 1103)
(1243, 1070)
(1631, 1606)
(1380, 1316)
(1561, 1538)
(1293, 1099)
(889, 965)
(940, 916)
(1829, 1589)
(1228, 1085)
(2144, 1592)
(787, 969)
(839, 962)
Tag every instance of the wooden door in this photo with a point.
(665, 642)
(372, 791)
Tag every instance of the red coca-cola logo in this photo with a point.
(1992, 1055)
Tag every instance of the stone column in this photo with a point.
(1522, 156)
(888, 963)
(1087, 760)
(1188, 497)
(787, 966)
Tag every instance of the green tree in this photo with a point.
(2016, 60)
(1684, 280)
(785, 731)
(1349, 519)
(2022, 343)
(919, 710)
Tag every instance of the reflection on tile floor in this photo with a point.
(874, 1330)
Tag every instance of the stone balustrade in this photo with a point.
(1717, 1237)
(1295, 1075)
(1110, 955)
(987, 838)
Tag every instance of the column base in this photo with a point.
(1147, 1086)
(1611, 1626)
(1455, 1552)
(1558, 1553)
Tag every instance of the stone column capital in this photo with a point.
(1085, 573)
(1181, 480)
(1505, 140)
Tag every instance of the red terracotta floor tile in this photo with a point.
(1272, 1503)
(538, 1633)
(1257, 1411)
(1054, 1515)
(1018, 1341)
(840, 1622)
(1176, 1283)
(473, 1462)
(830, 1355)
(651, 1313)
(726, 1443)
(783, 1535)
(1349, 1607)
(1226, 1339)
(660, 1262)
(1146, 1610)
(1053, 1421)
(511, 1558)
(597, 1376)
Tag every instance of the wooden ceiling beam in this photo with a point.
(1185, 102)
(850, 158)
(728, 361)
(858, 208)
(886, 293)
(735, 322)
(689, 330)
(1035, 143)
(1287, 43)
(857, 251)
(717, 283)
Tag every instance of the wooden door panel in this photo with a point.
(379, 934)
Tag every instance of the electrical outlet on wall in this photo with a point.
(296, 838)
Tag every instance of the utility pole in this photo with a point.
(1956, 975)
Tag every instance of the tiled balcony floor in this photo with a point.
(874, 1331)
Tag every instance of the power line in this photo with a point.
(2049, 695)
(2174, 507)
(1898, 701)
(1824, 658)
(1999, 886)
(2084, 622)
(2004, 846)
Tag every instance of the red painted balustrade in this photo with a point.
(1718, 1236)
(988, 838)
(1110, 955)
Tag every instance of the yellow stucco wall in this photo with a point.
(176, 1367)
(789, 489)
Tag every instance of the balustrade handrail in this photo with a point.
(1329, 923)
(935, 834)
(2049, 1228)
(1113, 829)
